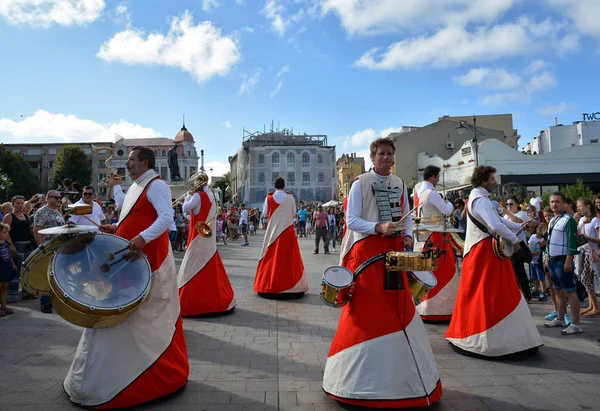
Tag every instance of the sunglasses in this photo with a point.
(511, 204)
(88, 194)
(110, 209)
(55, 197)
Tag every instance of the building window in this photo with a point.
(595, 140)
(189, 153)
(261, 158)
(120, 152)
(291, 179)
(87, 150)
(305, 158)
(51, 163)
(101, 164)
(275, 158)
(321, 177)
(52, 151)
(34, 151)
(320, 158)
(121, 171)
(163, 153)
(291, 159)
(101, 176)
(261, 177)
(274, 176)
(155, 153)
(305, 179)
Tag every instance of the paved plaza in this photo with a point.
(269, 355)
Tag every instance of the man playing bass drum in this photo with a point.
(491, 317)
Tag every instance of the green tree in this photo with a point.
(18, 172)
(222, 184)
(573, 191)
(74, 164)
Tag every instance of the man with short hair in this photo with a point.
(244, 223)
(96, 216)
(48, 216)
(561, 249)
(491, 317)
(144, 357)
(321, 225)
(438, 304)
(280, 272)
(302, 220)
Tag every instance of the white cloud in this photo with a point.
(209, 4)
(239, 2)
(363, 138)
(497, 79)
(280, 74)
(277, 89)
(283, 70)
(273, 10)
(582, 13)
(45, 13)
(250, 81)
(121, 15)
(500, 99)
(227, 124)
(219, 168)
(199, 49)
(535, 66)
(554, 109)
(376, 16)
(542, 81)
(44, 126)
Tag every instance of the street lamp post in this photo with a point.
(462, 126)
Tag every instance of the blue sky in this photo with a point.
(80, 70)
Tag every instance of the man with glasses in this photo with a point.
(513, 213)
(97, 216)
(46, 217)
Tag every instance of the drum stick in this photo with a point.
(92, 221)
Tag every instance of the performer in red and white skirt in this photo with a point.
(144, 357)
(438, 304)
(380, 355)
(204, 287)
(491, 317)
(280, 271)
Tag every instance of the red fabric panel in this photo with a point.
(488, 292)
(140, 218)
(407, 403)
(205, 206)
(446, 265)
(372, 312)
(168, 374)
(281, 268)
(272, 205)
(209, 291)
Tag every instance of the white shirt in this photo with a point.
(354, 221)
(536, 202)
(590, 230)
(523, 216)
(159, 195)
(534, 246)
(97, 216)
(435, 198)
(279, 196)
(244, 216)
(119, 196)
(194, 201)
(483, 209)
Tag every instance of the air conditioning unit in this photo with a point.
(450, 145)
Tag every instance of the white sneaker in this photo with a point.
(572, 329)
(555, 323)
(334, 249)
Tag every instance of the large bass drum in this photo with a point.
(34, 273)
(96, 282)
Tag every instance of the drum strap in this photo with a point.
(478, 223)
(367, 263)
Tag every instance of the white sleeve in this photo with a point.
(119, 195)
(482, 208)
(99, 214)
(295, 214)
(354, 213)
(265, 209)
(436, 199)
(407, 224)
(192, 202)
(511, 224)
(159, 195)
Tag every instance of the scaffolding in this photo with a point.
(284, 137)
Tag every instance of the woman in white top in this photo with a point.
(589, 228)
(518, 259)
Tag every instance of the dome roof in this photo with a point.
(184, 135)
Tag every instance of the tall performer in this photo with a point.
(145, 357)
(438, 303)
(380, 355)
(491, 317)
(204, 288)
(280, 272)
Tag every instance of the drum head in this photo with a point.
(87, 270)
(338, 276)
(34, 273)
(425, 277)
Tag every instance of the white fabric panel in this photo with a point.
(108, 360)
(135, 191)
(300, 287)
(278, 223)
(513, 334)
(384, 368)
(444, 301)
(198, 253)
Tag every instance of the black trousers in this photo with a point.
(518, 261)
(321, 232)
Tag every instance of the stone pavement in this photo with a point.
(270, 355)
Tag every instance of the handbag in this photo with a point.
(595, 256)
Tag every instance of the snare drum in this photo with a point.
(409, 261)
(420, 282)
(94, 283)
(34, 273)
(337, 286)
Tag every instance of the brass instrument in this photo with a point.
(195, 184)
(113, 174)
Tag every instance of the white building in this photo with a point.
(305, 161)
(561, 136)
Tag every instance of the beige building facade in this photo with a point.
(348, 168)
(502, 122)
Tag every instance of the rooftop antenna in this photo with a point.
(183, 128)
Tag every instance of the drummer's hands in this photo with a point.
(137, 243)
(108, 228)
(516, 247)
(388, 228)
(408, 242)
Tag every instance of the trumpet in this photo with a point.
(113, 174)
(196, 183)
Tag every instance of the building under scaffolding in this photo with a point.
(305, 161)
